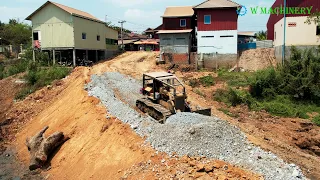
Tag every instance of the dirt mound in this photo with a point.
(257, 59)
(186, 168)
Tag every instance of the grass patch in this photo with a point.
(13, 69)
(227, 112)
(207, 81)
(280, 105)
(316, 120)
(194, 83)
(38, 77)
(197, 91)
(234, 79)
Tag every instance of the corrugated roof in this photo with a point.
(179, 11)
(174, 31)
(247, 33)
(216, 4)
(70, 10)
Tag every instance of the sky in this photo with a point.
(139, 14)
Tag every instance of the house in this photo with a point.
(246, 36)
(152, 33)
(274, 18)
(217, 24)
(177, 34)
(70, 34)
(298, 33)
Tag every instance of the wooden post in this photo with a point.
(54, 56)
(97, 58)
(74, 57)
(86, 55)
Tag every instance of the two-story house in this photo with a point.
(217, 22)
(177, 33)
(70, 34)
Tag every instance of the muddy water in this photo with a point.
(12, 169)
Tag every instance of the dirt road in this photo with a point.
(101, 147)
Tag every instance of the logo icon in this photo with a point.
(241, 10)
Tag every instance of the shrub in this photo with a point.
(207, 81)
(24, 93)
(197, 91)
(20, 67)
(234, 79)
(233, 97)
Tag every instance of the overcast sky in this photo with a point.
(139, 14)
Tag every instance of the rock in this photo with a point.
(163, 161)
(296, 174)
(208, 168)
(200, 167)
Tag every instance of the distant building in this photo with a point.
(177, 34)
(217, 27)
(71, 34)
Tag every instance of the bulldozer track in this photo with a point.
(154, 110)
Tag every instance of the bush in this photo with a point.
(234, 79)
(24, 93)
(207, 81)
(233, 97)
(40, 77)
(20, 67)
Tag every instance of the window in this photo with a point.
(84, 36)
(111, 41)
(318, 30)
(35, 36)
(226, 36)
(207, 36)
(207, 19)
(98, 38)
(183, 23)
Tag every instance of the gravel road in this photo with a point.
(187, 133)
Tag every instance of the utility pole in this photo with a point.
(284, 33)
(121, 22)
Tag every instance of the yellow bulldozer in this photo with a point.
(165, 95)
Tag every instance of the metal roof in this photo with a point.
(216, 4)
(174, 31)
(158, 74)
(179, 11)
(69, 10)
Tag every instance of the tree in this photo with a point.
(313, 18)
(261, 35)
(117, 28)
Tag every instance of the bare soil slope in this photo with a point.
(257, 59)
(100, 147)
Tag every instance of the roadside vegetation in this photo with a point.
(205, 81)
(291, 90)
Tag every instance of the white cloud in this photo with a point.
(14, 13)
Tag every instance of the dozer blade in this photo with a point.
(156, 111)
(206, 112)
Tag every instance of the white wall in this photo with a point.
(221, 45)
(302, 34)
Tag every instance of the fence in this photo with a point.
(246, 46)
(184, 54)
(264, 44)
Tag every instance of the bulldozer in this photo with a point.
(165, 95)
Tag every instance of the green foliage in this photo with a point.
(234, 79)
(7, 53)
(299, 78)
(39, 77)
(316, 120)
(261, 35)
(227, 112)
(313, 18)
(24, 93)
(15, 33)
(233, 97)
(207, 81)
(20, 67)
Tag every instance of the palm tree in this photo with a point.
(261, 35)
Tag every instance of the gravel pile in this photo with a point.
(188, 133)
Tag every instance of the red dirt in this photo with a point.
(99, 147)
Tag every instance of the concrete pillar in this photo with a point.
(10, 48)
(54, 56)
(21, 48)
(33, 55)
(74, 57)
(87, 55)
(97, 58)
